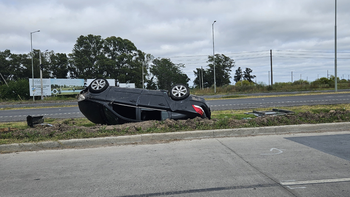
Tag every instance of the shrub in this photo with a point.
(244, 83)
(15, 90)
(301, 82)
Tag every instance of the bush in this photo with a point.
(15, 90)
(301, 82)
(322, 82)
(281, 85)
(244, 83)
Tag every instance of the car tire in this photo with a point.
(179, 92)
(98, 85)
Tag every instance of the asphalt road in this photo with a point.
(250, 103)
(53, 111)
(275, 165)
(56, 112)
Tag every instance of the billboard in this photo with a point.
(36, 91)
(127, 85)
(66, 86)
(111, 82)
(52, 87)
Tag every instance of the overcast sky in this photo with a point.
(300, 33)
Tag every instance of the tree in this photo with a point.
(124, 61)
(198, 80)
(58, 64)
(168, 73)
(247, 76)
(151, 85)
(86, 56)
(223, 65)
(4, 65)
(15, 90)
(20, 67)
(238, 75)
(46, 72)
(120, 53)
(113, 57)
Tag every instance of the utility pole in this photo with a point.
(32, 56)
(335, 50)
(41, 77)
(143, 80)
(271, 66)
(212, 27)
(202, 78)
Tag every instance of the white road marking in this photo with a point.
(289, 183)
(273, 152)
(296, 187)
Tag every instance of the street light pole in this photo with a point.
(212, 28)
(143, 81)
(335, 50)
(32, 55)
(41, 77)
(202, 77)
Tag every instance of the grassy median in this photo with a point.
(60, 129)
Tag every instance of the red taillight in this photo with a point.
(198, 109)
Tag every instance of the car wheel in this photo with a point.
(98, 85)
(179, 92)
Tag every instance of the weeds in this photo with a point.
(82, 128)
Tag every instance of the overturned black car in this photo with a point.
(104, 104)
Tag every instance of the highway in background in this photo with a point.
(70, 109)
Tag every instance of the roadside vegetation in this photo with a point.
(245, 86)
(61, 129)
(18, 91)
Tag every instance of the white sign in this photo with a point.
(127, 85)
(111, 82)
(66, 86)
(55, 86)
(60, 86)
(36, 91)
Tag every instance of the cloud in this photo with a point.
(182, 29)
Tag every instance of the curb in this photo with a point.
(163, 137)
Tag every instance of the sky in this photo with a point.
(300, 34)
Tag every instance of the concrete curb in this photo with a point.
(163, 137)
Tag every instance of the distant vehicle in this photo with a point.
(104, 104)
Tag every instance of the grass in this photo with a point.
(83, 128)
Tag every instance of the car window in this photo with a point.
(152, 114)
(111, 118)
(125, 110)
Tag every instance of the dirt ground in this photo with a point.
(69, 124)
(193, 124)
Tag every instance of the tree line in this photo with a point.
(115, 58)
